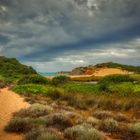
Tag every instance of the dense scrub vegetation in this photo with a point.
(116, 78)
(11, 69)
(58, 80)
(64, 109)
(33, 79)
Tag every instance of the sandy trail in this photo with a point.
(9, 103)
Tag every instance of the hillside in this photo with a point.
(106, 69)
(11, 67)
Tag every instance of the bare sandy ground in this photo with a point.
(110, 71)
(9, 103)
(105, 72)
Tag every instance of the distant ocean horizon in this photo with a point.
(50, 74)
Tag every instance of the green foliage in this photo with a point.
(109, 125)
(18, 125)
(55, 93)
(42, 134)
(35, 111)
(38, 89)
(83, 88)
(11, 68)
(116, 78)
(135, 128)
(58, 120)
(33, 79)
(121, 66)
(105, 82)
(60, 80)
(125, 89)
(30, 88)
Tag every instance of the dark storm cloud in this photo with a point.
(38, 30)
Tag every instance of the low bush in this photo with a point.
(109, 125)
(58, 120)
(83, 132)
(18, 125)
(55, 93)
(116, 78)
(93, 121)
(42, 134)
(58, 80)
(79, 87)
(30, 88)
(39, 89)
(135, 128)
(35, 111)
(33, 79)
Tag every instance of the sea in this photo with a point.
(50, 74)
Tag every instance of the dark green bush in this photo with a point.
(10, 67)
(33, 79)
(18, 125)
(105, 82)
(42, 134)
(60, 80)
(116, 78)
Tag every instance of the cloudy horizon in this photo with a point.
(56, 35)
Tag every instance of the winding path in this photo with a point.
(9, 103)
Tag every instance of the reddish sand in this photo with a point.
(9, 103)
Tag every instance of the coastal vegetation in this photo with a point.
(63, 108)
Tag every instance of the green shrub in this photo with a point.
(55, 93)
(12, 68)
(42, 134)
(30, 88)
(83, 132)
(125, 89)
(109, 125)
(116, 78)
(60, 80)
(79, 87)
(93, 121)
(134, 128)
(33, 79)
(34, 111)
(58, 120)
(18, 125)
(52, 92)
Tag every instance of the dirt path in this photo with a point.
(9, 103)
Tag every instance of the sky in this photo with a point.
(56, 35)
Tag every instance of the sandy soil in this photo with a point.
(9, 103)
(105, 72)
(110, 71)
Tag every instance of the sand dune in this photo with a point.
(110, 71)
(9, 103)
